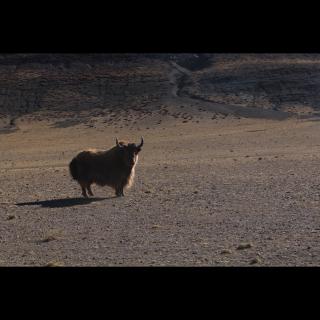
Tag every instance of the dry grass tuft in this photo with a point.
(51, 236)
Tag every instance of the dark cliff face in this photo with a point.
(75, 82)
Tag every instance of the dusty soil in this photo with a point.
(201, 191)
(220, 182)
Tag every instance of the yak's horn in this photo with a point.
(118, 144)
(141, 143)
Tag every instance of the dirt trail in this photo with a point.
(179, 76)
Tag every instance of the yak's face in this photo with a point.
(130, 152)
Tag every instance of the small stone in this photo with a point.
(54, 264)
(226, 251)
(244, 246)
(255, 261)
(49, 238)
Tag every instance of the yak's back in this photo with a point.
(89, 154)
(97, 159)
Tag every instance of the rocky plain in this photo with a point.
(228, 174)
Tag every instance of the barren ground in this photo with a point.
(201, 190)
(228, 175)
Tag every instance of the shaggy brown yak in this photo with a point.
(114, 167)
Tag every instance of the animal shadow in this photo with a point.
(61, 203)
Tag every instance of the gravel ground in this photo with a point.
(208, 192)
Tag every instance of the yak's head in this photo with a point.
(129, 151)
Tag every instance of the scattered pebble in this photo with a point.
(244, 246)
(49, 238)
(11, 217)
(54, 264)
(226, 251)
(255, 261)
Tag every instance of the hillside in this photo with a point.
(55, 85)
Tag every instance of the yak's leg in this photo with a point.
(118, 194)
(84, 192)
(119, 191)
(89, 190)
(83, 187)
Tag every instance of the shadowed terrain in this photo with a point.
(60, 203)
(79, 87)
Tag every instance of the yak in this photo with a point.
(114, 167)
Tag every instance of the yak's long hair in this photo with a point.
(114, 168)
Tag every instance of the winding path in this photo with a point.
(179, 76)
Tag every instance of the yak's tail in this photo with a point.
(73, 169)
